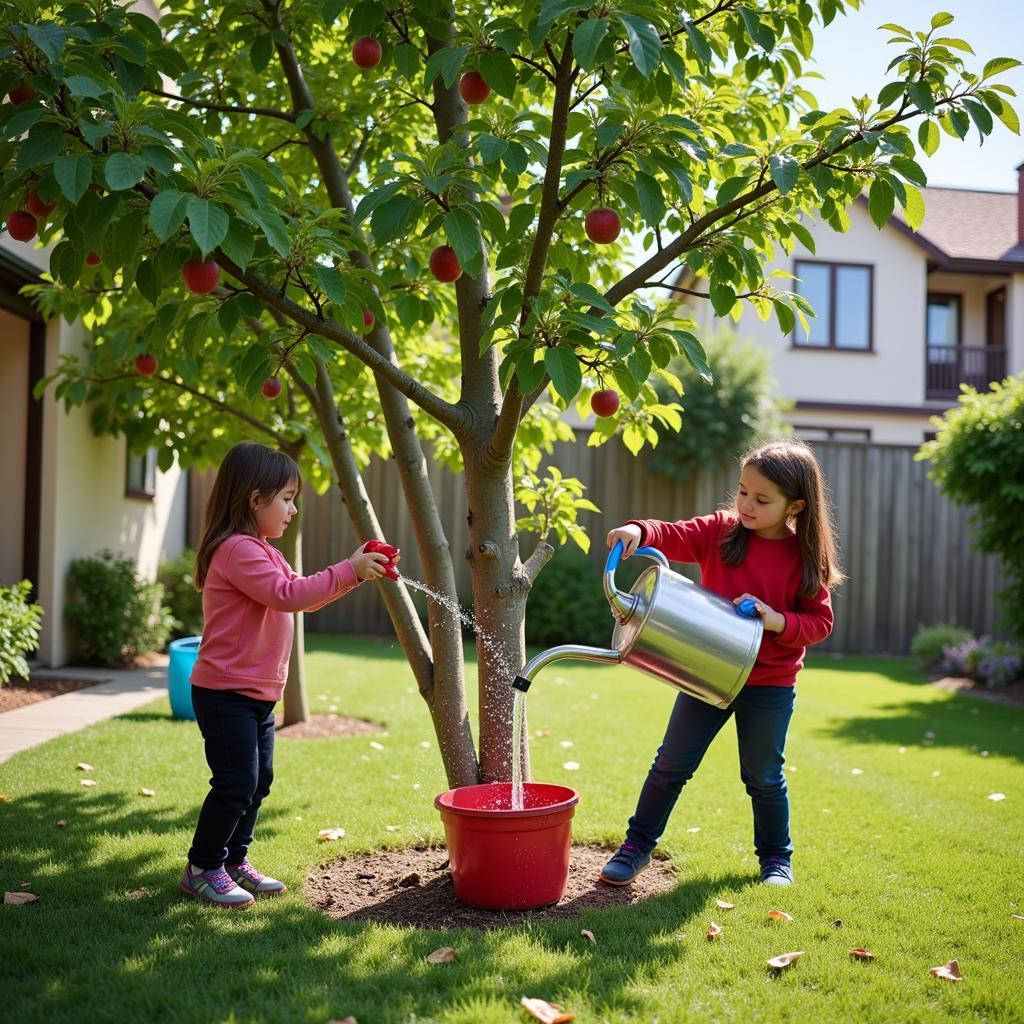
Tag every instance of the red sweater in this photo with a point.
(772, 572)
(249, 596)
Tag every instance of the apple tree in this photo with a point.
(416, 218)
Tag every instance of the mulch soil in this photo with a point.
(18, 694)
(414, 888)
(326, 727)
(1012, 693)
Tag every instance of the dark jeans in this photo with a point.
(239, 735)
(762, 718)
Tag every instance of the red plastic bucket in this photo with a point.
(503, 859)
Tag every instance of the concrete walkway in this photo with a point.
(120, 691)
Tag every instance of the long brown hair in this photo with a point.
(793, 468)
(246, 468)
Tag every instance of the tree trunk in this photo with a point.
(296, 703)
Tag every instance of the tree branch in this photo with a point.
(281, 115)
(538, 559)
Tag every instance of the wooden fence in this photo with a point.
(906, 551)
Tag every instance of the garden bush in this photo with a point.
(930, 642)
(114, 614)
(987, 661)
(185, 603)
(19, 630)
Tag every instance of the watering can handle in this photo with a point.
(615, 556)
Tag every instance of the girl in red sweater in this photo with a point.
(249, 595)
(776, 546)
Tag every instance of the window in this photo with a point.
(832, 433)
(942, 326)
(140, 475)
(841, 295)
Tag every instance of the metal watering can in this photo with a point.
(670, 628)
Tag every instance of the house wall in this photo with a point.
(14, 350)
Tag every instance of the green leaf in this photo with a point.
(260, 52)
(463, 234)
(239, 243)
(73, 173)
(529, 372)
(928, 136)
(257, 187)
(695, 354)
(392, 219)
(650, 198)
(499, 72)
(1002, 110)
(452, 65)
(274, 229)
(147, 280)
(980, 116)
(586, 41)
(891, 92)
(588, 293)
(330, 9)
(407, 60)
(805, 237)
(124, 170)
(998, 65)
(723, 298)
(81, 85)
(644, 43)
(565, 372)
(785, 316)
(881, 200)
(910, 169)
(942, 19)
(701, 48)
(207, 222)
(920, 94)
(50, 38)
(332, 283)
(756, 29)
(913, 208)
(551, 11)
(94, 134)
(785, 171)
(166, 213)
(44, 142)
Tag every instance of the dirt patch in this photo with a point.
(326, 727)
(1012, 693)
(414, 887)
(18, 694)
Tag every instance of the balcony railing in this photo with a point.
(949, 366)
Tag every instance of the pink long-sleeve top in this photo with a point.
(772, 572)
(249, 596)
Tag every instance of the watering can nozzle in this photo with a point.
(522, 682)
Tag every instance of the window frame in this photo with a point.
(148, 474)
(830, 431)
(834, 266)
(928, 343)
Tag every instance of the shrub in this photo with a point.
(115, 615)
(929, 643)
(19, 630)
(987, 661)
(181, 598)
(961, 659)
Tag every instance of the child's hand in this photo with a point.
(389, 551)
(629, 535)
(369, 565)
(773, 621)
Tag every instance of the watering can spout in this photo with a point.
(609, 656)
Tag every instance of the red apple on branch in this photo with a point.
(21, 225)
(367, 52)
(444, 264)
(200, 276)
(605, 402)
(21, 93)
(93, 259)
(37, 207)
(271, 387)
(472, 87)
(602, 225)
(367, 320)
(146, 365)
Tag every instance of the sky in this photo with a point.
(852, 56)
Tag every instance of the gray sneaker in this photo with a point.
(626, 863)
(777, 871)
(215, 886)
(251, 880)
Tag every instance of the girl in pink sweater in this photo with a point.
(776, 545)
(249, 595)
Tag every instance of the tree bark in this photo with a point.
(296, 702)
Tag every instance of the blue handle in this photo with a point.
(747, 608)
(615, 555)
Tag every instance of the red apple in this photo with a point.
(271, 388)
(444, 264)
(200, 276)
(367, 320)
(473, 88)
(367, 52)
(602, 225)
(605, 402)
(146, 364)
(21, 225)
(93, 259)
(21, 93)
(37, 207)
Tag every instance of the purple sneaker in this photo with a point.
(217, 887)
(251, 880)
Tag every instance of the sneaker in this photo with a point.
(776, 871)
(251, 880)
(215, 886)
(627, 862)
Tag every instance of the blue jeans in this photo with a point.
(762, 718)
(239, 735)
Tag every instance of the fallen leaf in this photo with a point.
(783, 960)
(723, 905)
(949, 972)
(1017, 917)
(935, 775)
(409, 880)
(62, 823)
(997, 796)
(566, 744)
(714, 931)
(20, 897)
(391, 828)
(147, 792)
(693, 831)
(856, 771)
(571, 766)
(4, 799)
(589, 936)
(902, 750)
(442, 955)
(780, 915)
(83, 767)
(542, 733)
(87, 782)
(837, 923)
(25, 884)
(862, 954)
(138, 894)
(546, 1013)
(376, 746)
(425, 744)
(330, 834)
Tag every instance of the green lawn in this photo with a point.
(920, 866)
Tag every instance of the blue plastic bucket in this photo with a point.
(179, 673)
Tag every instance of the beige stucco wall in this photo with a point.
(14, 339)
